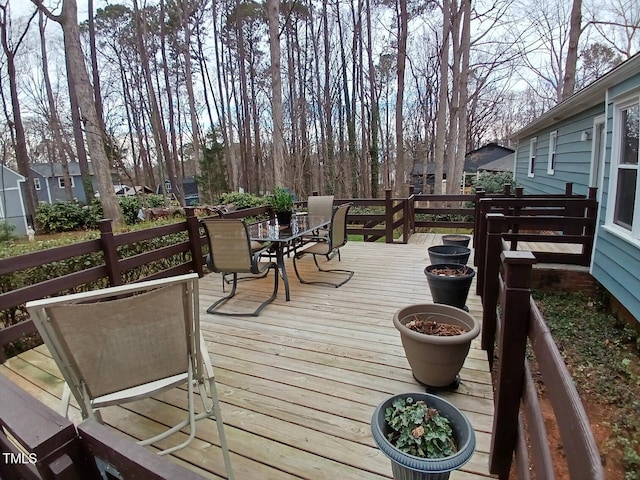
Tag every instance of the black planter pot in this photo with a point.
(449, 254)
(456, 239)
(410, 467)
(450, 289)
(284, 218)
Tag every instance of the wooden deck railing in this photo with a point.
(45, 445)
(518, 423)
(115, 268)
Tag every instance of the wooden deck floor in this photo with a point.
(299, 383)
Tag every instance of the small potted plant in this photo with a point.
(424, 436)
(282, 202)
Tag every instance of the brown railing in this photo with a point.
(115, 270)
(45, 445)
(518, 423)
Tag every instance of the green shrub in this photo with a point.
(243, 200)
(6, 232)
(493, 182)
(130, 206)
(64, 217)
(154, 201)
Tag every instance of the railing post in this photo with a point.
(388, 213)
(110, 252)
(568, 189)
(489, 281)
(511, 356)
(506, 189)
(480, 240)
(193, 229)
(480, 193)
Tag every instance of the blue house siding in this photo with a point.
(573, 156)
(50, 191)
(616, 255)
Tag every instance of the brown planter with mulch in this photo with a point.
(436, 357)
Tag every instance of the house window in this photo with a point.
(625, 173)
(36, 183)
(553, 142)
(61, 182)
(533, 149)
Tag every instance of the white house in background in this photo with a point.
(592, 139)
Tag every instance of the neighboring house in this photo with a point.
(474, 161)
(12, 205)
(479, 158)
(592, 139)
(189, 189)
(48, 182)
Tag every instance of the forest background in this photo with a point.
(342, 97)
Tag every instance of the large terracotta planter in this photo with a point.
(449, 254)
(436, 361)
(449, 289)
(410, 467)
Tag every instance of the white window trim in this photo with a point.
(36, 183)
(616, 138)
(61, 181)
(533, 150)
(553, 146)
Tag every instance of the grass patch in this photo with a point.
(603, 355)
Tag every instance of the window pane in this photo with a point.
(625, 197)
(630, 137)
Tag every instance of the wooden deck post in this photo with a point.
(511, 359)
(110, 252)
(388, 214)
(193, 228)
(480, 193)
(490, 282)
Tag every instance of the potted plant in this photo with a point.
(449, 254)
(436, 339)
(282, 202)
(449, 283)
(424, 436)
(456, 239)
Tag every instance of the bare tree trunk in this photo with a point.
(193, 116)
(53, 115)
(443, 98)
(374, 152)
(273, 14)
(77, 71)
(20, 145)
(401, 167)
(569, 81)
(159, 133)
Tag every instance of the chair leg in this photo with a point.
(212, 308)
(319, 282)
(224, 299)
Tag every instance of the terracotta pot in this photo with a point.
(435, 360)
(456, 239)
(410, 467)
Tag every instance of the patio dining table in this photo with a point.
(283, 236)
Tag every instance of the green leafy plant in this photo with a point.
(281, 200)
(419, 430)
(6, 232)
(241, 200)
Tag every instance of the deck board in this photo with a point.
(299, 383)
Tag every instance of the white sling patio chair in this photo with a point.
(129, 342)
